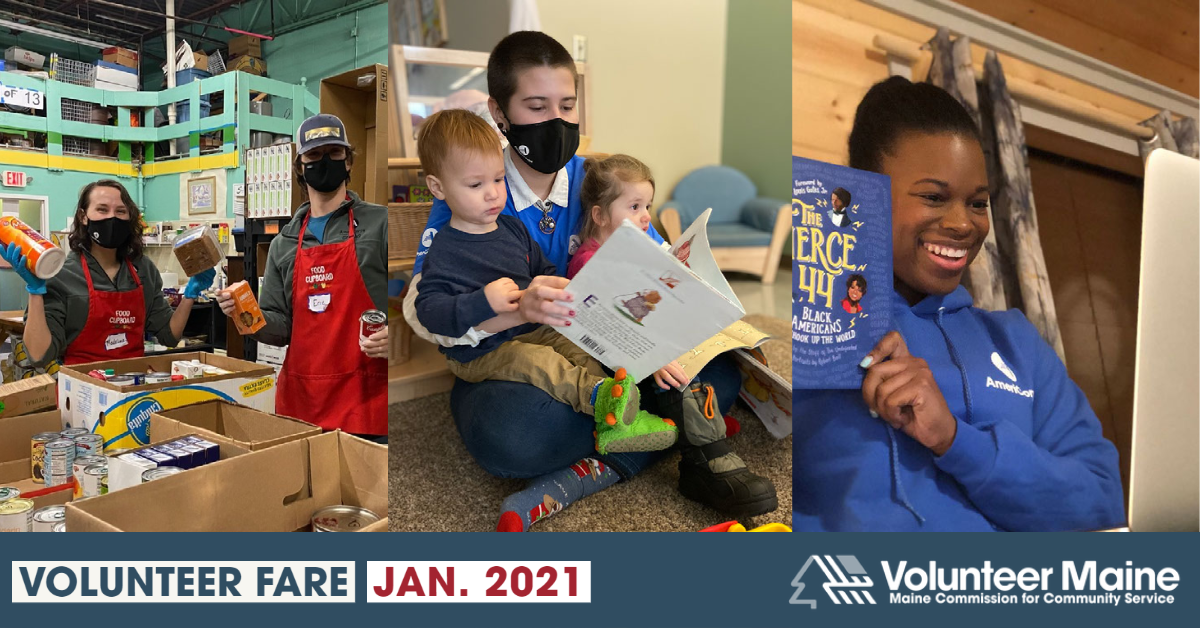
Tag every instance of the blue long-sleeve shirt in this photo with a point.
(1028, 455)
(457, 268)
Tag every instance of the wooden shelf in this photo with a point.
(404, 163)
(424, 374)
(400, 265)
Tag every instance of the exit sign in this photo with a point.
(14, 179)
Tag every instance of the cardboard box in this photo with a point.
(200, 58)
(122, 413)
(245, 45)
(27, 395)
(25, 58)
(272, 490)
(223, 422)
(116, 75)
(122, 56)
(360, 99)
(247, 64)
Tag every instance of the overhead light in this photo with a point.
(54, 35)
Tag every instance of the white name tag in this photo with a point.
(116, 341)
(318, 302)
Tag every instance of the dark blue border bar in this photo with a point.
(638, 579)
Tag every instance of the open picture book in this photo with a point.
(640, 305)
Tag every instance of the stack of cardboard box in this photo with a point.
(245, 55)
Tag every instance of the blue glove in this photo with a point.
(199, 283)
(12, 255)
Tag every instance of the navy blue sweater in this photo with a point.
(459, 265)
(1029, 453)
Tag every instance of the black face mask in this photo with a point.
(110, 233)
(326, 174)
(545, 146)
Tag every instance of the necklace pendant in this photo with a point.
(547, 224)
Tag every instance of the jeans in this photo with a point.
(514, 430)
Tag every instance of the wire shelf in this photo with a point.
(71, 71)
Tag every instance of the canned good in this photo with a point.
(59, 455)
(95, 480)
(37, 455)
(342, 519)
(138, 378)
(45, 518)
(71, 433)
(158, 378)
(9, 492)
(79, 465)
(41, 255)
(16, 515)
(88, 445)
(61, 526)
(98, 374)
(370, 322)
(121, 380)
(149, 475)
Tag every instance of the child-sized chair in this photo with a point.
(747, 232)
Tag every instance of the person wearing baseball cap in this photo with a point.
(324, 270)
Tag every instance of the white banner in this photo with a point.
(524, 582)
(190, 582)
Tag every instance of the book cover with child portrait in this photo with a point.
(841, 271)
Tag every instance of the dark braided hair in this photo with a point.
(896, 106)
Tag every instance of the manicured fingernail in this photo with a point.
(866, 362)
(572, 313)
(568, 323)
(874, 414)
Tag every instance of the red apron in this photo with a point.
(326, 379)
(116, 323)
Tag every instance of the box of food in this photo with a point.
(245, 45)
(27, 395)
(224, 422)
(247, 316)
(249, 65)
(278, 489)
(182, 450)
(198, 249)
(16, 469)
(122, 56)
(121, 412)
(24, 58)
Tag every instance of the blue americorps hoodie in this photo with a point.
(1028, 455)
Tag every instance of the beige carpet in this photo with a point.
(435, 486)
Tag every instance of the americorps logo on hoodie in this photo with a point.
(1009, 386)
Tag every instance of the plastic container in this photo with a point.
(198, 249)
(42, 257)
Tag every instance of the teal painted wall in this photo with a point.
(756, 132)
(63, 187)
(329, 48)
(45, 45)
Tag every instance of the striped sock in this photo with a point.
(552, 492)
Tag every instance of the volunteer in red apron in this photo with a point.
(325, 269)
(107, 295)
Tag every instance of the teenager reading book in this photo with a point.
(966, 420)
(473, 278)
(512, 429)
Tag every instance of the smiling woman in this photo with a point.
(933, 442)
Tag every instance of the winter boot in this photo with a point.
(709, 471)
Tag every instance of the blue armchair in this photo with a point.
(746, 232)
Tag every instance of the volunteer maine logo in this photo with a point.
(842, 583)
(1000, 365)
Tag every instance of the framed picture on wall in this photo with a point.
(201, 195)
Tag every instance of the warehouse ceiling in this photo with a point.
(142, 23)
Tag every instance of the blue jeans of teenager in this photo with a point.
(515, 430)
